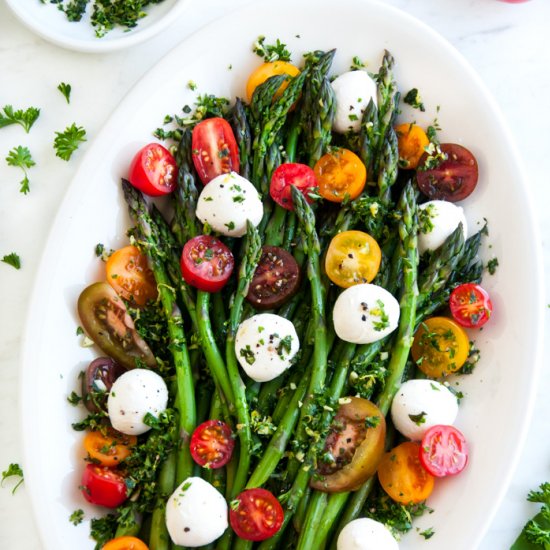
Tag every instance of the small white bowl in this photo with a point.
(52, 24)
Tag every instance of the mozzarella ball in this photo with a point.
(353, 91)
(226, 202)
(265, 345)
(365, 313)
(366, 534)
(133, 395)
(196, 513)
(421, 404)
(437, 220)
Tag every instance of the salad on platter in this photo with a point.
(278, 335)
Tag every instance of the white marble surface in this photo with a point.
(507, 44)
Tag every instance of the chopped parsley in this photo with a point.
(356, 64)
(435, 157)
(76, 517)
(21, 157)
(412, 98)
(427, 533)
(285, 345)
(26, 118)
(425, 216)
(418, 419)
(380, 312)
(248, 355)
(65, 89)
(271, 52)
(68, 141)
(14, 470)
(492, 265)
(192, 85)
(101, 252)
(230, 226)
(372, 421)
(12, 259)
(74, 399)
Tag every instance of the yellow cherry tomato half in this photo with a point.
(353, 257)
(402, 475)
(441, 346)
(267, 70)
(411, 143)
(340, 174)
(125, 543)
(109, 449)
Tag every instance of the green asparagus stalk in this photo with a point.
(241, 129)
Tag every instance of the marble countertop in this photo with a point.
(507, 45)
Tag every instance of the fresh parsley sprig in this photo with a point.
(65, 89)
(12, 259)
(21, 157)
(68, 141)
(26, 118)
(14, 470)
(536, 532)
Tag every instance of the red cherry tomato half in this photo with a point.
(153, 170)
(443, 451)
(449, 174)
(103, 486)
(212, 444)
(256, 515)
(214, 149)
(286, 175)
(206, 263)
(470, 305)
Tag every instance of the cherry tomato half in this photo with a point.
(153, 170)
(97, 381)
(212, 444)
(109, 449)
(256, 515)
(443, 451)
(353, 257)
(129, 274)
(288, 174)
(440, 347)
(470, 305)
(450, 175)
(125, 543)
(267, 70)
(214, 149)
(206, 263)
(276, 279)
(353, 448)
(103, 486)
(402, 476)
(340, 174)
(411, 142)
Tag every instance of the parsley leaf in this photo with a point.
(25, 118)
(14, 470)
(67, 142)
(271, 52)
(537, 530)
(76, 517)
(65, 89)
(21, 157)
(412, 98)
(12, 259)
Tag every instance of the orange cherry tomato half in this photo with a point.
(129, 274)
(103, 486)
(256, 515)
(411, 143)
(212, 444)
(470, 305)
(402, 475)
(340, 174)
(153, 170)
(440, 347)
(267, 70)
(109, 449)
(353, 257)
(125, 543)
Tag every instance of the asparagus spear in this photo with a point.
(241, 129)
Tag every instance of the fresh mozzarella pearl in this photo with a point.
(265, 345)
(353, 91)
(226, 202)
(366, 534)
(365, 313)
(196, 513)
(429, 403)
(438, 219)
(133, 395)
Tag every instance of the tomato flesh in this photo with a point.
(110, 448)
(214, 149)
(470, 305)
(97, 381)
(402, 475)
(449, 175)
(125, 543)
(206, 263)
(276, 279)
(153, 170)
(289, 174)
(212, 444)
(443, 451)
(129, 274)
(103, 486)
(256, 515)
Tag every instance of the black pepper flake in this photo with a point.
(186, 529)
(363, 317)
